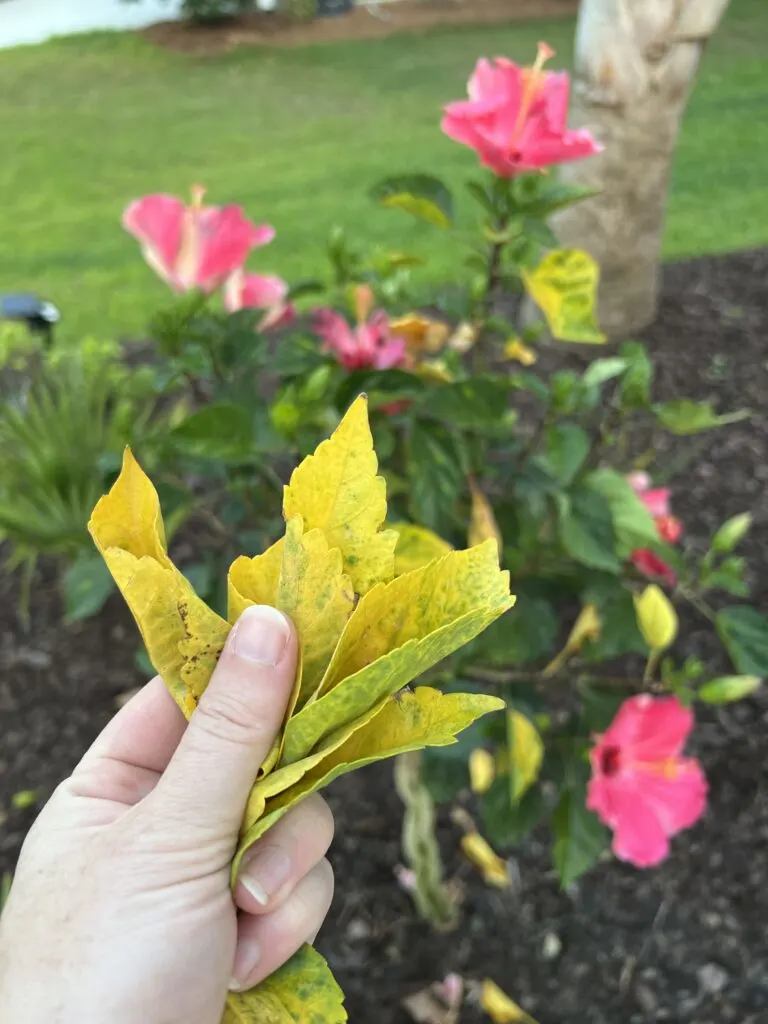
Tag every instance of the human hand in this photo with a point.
(121, 908)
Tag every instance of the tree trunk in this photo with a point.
(636, 62)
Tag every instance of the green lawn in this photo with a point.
(296, 136)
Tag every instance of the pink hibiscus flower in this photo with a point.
(369, 344)
(193, 246)
(669, 528)
(259, 291)
(516, 119)
(641, 786)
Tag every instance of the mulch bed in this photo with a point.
(687, 943)
(371, 21)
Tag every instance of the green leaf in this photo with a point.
(378, 385)
(421, 195)
(744, 633)
(579, 836)
(445, 769)
(567, 448)
(556, 198)
(683, 416)
(620, 633)
(219, 431)
(302, 991)
(599, 705)
(602, 370)
(727, 689)
(526, 636)
(437, 478)
(87, 585)
(632, 522)
(506, 824)
(635, 388)
(480, 194)
(478, 403)
(587, 532)
(25, 799)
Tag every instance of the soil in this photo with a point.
(686, 943)
(367, 21)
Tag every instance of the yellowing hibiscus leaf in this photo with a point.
(254, 580)
(302, 991)
(317, 595)
(399, 631)
(408, 721)
(482, 521)
(564, 287)
(526, 752)
(416, 547)
(500, 1007)
(183, 637)
(337, 490)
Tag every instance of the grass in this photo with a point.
(296, 136)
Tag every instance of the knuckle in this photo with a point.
(226, 718)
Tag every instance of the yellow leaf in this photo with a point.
(183, 637)
(482, 521)
(302, 991)
(656, 618)
(417, 546)
(434, 369)
(409, 721)
(587, 626)
(317, 595)
(500, 1007)
(526, 752)
(282, 778)
(399, 631)
(517, 350)
(482, 770)
(336, 490)
(420, 333)
(564, 287)
(254, 580)
(494, 870)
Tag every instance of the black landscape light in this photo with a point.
(38, 314)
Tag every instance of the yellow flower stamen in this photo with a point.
(533, 79)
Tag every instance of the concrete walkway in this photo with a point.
(34, 21)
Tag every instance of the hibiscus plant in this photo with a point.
(494, 423)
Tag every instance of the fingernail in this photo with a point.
(266, 873)
(261, 635)
(246, 960)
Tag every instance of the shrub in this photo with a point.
(479, 443)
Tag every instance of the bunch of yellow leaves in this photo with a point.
(364, 634)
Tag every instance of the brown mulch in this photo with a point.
(372, 21)
(685, 944)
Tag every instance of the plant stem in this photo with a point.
(538, 677)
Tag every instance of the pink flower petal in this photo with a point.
(156, 221)
(661, 727)
(657, 501)
(678, 799)
(225, 238)
(638, 835)
(516, 118)
(650, 564)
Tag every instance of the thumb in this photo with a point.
(207, 781)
